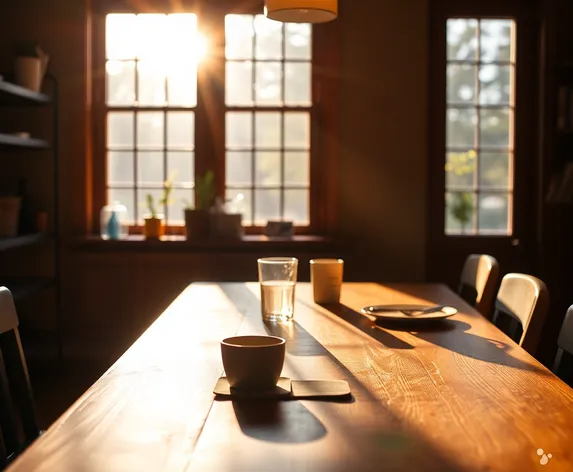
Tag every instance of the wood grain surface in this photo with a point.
(459, 396)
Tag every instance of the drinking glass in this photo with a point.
(277, 276)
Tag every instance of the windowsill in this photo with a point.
(138, 243)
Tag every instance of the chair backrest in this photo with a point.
(521, 308)
(478, 282)
(563, 366)
(17, 422)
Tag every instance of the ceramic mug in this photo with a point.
(253, 362)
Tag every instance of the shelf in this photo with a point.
(20, 241)
(25, 287)
(8, 141)
(15, 95)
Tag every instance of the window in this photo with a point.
(479, 126)
(268, 98)
(157, 100)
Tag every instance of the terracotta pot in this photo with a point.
(197, 224)
(153, 228)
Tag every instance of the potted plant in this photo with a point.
(197, 219)
(31, 64)
(154, 227)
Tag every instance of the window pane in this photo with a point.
(268, 130)
(150, 171)
(267, 205)
(120, 130)
(298, 41)
(460, 208)
(179, 200)
(495, 85)
(239, 83)
(239, 168)
(495, 128)
(239, 32)
(460, 127)
(181, 166)
(120, 168)
(120, 35)
(493, 213)
(120, 87)
(297, 130)
(268, 169)
(239, 130)
(297, 168)
(125, 197)
(151, 83)
(461, 83)
(460, 169)
(243, 203)
(297, 83)
(182, 83)
(496, 37)
(494, 170)
(150, 129)
(152, 34)
(269, 38)
(180, 130)
(462, 39)
(268, 85)
(297, 206)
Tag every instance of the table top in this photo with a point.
(460, 396)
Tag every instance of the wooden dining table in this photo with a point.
(458, 395)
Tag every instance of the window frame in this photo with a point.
(211, 123)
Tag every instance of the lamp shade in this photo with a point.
(301, 11)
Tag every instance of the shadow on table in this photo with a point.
(288, 422)
(436, 332)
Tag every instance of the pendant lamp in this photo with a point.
(301, 11)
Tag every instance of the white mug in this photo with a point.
(326, 279)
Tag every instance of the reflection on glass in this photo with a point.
(119, 130)
(239, 168)
(120, 87)
(267, 205)
(495, 127)
(461, 85)
(495, 85)
(462, 39)
(267, 169)
(298, 41)
(150, 129)
(239, 130)
(493, 213)
(496, 40)
(120, 168)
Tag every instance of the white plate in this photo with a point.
(396, 312)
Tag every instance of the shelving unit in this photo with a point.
(12, 95)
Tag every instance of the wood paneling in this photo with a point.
(459, 397)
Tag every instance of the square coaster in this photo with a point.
(320, 388)
(282, 390)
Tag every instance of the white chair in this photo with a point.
(521, 308)
(478, 282)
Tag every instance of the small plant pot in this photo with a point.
(227, 225)
(153, 227)
(197, 224)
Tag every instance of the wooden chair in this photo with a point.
(520, 309)
(563, 366)
(17, 422)
(480, 276)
